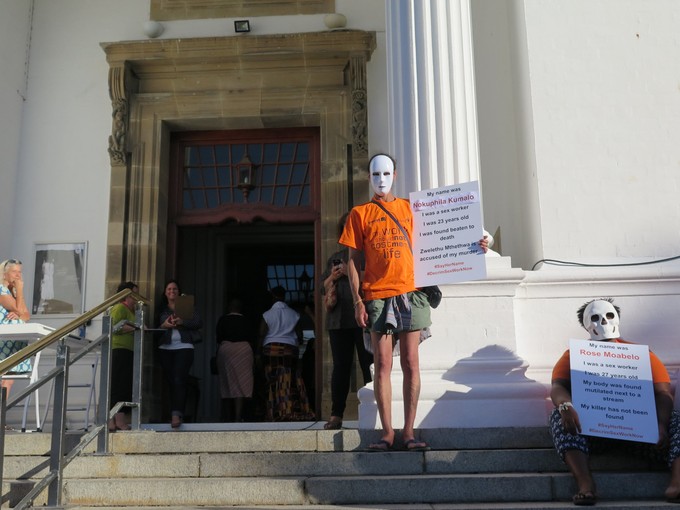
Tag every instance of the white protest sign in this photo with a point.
(447, 225)
(612, 390)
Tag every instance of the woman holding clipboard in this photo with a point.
(181, 323)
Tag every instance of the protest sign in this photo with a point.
(612, 390)
(447, 225)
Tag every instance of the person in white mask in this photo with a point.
(600, 318)
(386, 300)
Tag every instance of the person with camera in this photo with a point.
(344, 333)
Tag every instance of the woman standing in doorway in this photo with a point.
(177, 350)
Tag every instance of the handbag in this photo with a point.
(434, 295)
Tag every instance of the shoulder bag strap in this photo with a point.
(403, 231)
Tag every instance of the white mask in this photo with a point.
(381, 169)
(601, 320)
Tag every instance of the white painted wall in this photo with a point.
(14, 41)
(606, 112)
(578, 114)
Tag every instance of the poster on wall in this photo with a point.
(59, 279)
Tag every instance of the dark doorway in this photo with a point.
(216, 263)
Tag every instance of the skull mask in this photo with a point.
(601, 320)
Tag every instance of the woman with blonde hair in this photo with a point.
(13, 310)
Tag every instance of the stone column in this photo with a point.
(433, 113)
(471, 375)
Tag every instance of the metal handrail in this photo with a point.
(32, 349)
(59, 459)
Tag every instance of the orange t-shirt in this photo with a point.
(389, 260)
(562, 369)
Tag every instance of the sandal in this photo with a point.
(587, 498)
(413, 445)
(380, 446)
(334, 423)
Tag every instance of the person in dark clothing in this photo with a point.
(346, 336)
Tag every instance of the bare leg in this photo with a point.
(673, 489)
(382, 362)
(408, 347)
(577, 461)
(7, 383)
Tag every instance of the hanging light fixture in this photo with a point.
(246, 172)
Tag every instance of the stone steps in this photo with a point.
(473, 468)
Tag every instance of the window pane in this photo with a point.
(287, 152)
(224, 176)
(222, 154)
(302, 152)
(299, 174)
(211, 195)
(226, 196)
(198, 199)
(191, 156)
(193, 178)
(294, 195)
(209, 178)
(266, 195)
(268, 173)
(305, 198)
(207, 156)
(282, 174)
(271, 153)
(280, 196)
(186, 200)
(237, 152)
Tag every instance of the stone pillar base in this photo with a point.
(489, 389)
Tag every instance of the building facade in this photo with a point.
(565, 112)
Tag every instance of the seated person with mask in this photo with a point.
(600, 318)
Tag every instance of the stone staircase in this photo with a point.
(315, 469)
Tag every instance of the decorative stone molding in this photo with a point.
(359, 105)
(163, 10)
(119, 85)
(117, 151)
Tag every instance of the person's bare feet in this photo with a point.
(672, 494)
